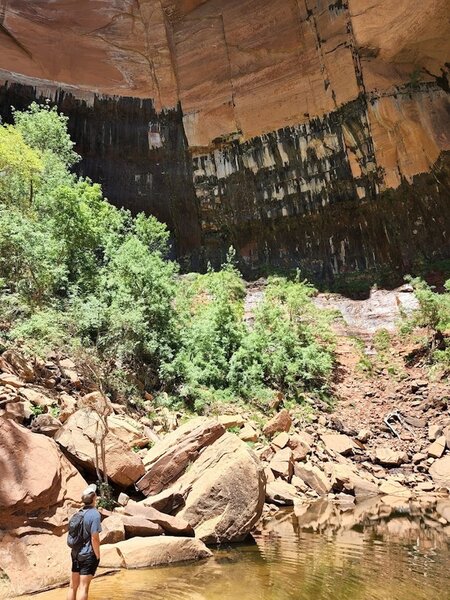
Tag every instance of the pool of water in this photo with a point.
(382, 549)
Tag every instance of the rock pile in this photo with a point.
(198, 484)
(179, 488)
(306, 462)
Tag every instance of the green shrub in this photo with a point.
(381, 340)
(290, 347)
(433, 314)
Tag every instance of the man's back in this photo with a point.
(91, 524)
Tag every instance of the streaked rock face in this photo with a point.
(263, 123)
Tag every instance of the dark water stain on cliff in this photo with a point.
(306, 196)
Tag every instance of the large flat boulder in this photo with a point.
(125, 428)
(226, 491)
(141, 552)
(174, 525)
(80, 436)
(281, 493)
(169, 458)
(39, 490)
(34, 474)
(390, 458)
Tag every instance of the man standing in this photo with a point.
(85, 559)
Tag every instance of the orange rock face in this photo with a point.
(241, 70)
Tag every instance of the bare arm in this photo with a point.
(95, 539)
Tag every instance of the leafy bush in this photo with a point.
(45, 130)
(209, 310)
(434, 315)
(20, 168)
(381, 340)
(290, 347)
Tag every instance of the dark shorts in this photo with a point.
(85, 564)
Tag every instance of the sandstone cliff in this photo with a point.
(275, 125)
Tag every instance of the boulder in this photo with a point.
(418, 457)
(140, 526)
(395, 488)
(345, 479)
(39, 490)
(113, 530)
(125, 428)
(68, 370)
(111, 557)
(17, 410)
(46, 424)
(280, 493)
(437, 448)
(314, 477)
(11, 380)
(266, 453)
(36, 397)
(67, 406)
(227, 489)
(282, 421)
(299, 484)
(304, 437)
(123, 499)
(96, 402)
(336, 442)
(281, 440)
(248, 433)
(21, 366)
(229, 421)
(170, 524)
(167, 501)
(301, 446)
(282, 464)
(35, 475)
(440, 472)
(169, 458)
(364, 435)
(434, 431)
(81, 434)
(148, 552)
(390, 458)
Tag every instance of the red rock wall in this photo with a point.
(271, 85)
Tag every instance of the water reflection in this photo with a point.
(381, 549)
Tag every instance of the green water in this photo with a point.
(372, 552)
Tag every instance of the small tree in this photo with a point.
(433, 313)
(97, 408)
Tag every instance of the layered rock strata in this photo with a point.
(299, 131)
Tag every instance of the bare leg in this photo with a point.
(73, 586)
(83, 589)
